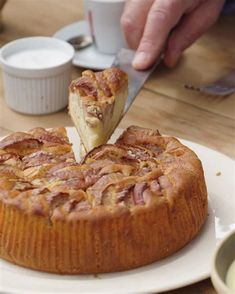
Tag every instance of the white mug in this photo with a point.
(104, 17)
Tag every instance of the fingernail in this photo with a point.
(141, 60)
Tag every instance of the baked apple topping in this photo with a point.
(130, 172)
(99, 86)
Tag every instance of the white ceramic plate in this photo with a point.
(88, 57)
(187, 266)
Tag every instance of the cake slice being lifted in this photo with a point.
(96, 105)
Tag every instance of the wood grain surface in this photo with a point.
(163, 103)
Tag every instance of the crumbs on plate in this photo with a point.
(218, 174)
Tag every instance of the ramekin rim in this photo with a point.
(30, 70)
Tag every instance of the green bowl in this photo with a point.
(223, 257)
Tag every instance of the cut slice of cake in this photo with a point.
(96, 105)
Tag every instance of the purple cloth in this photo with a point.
(229, 7)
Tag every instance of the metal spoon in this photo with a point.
(80, 42)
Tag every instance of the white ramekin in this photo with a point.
(36, 90)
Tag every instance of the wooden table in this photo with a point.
(163, 103)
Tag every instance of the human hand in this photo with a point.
(173, 25)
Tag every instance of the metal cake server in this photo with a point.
(136, 78)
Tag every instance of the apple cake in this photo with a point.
(96, 104)
(123, 206)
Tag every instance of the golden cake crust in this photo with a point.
(99, 86)
(123, 206)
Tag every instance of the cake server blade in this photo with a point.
(136, 78)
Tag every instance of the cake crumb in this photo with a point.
(218, 174)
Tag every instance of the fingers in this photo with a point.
(162, 17)
(192, 27)
(133, 20)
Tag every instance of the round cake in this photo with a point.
(123, 206)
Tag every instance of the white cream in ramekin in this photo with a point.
(36, 74)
